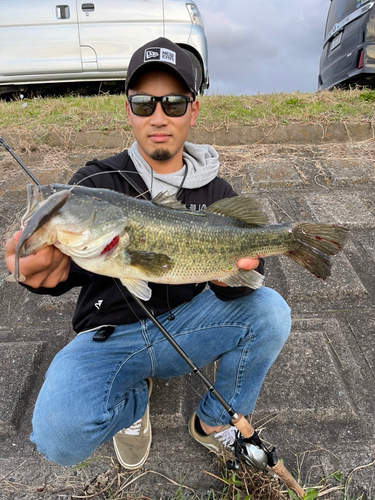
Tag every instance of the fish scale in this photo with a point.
(161, 241)
(202, 249)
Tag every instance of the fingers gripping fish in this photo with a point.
(138, 241)
(48, 209)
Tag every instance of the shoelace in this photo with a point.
(134, 429)
(227, 436)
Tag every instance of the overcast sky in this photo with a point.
(263, 46)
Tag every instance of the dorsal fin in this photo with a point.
(243, 209)
(168, 201)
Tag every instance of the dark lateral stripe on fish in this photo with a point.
(164, 245)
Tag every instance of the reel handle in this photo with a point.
(279, 469)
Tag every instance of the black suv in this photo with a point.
(348, 55)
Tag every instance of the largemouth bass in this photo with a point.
(138, 241)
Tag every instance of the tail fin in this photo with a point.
(314, 243)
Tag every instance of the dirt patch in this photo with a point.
(59, 164)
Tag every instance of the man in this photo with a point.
(94, 391)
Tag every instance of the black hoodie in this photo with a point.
(103, 300)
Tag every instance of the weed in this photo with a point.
(367, 96)
(107, 112)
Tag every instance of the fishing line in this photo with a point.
(179, 191)
(248, 448)
(126, 300)
(171, 316)
(167, 183)
(134, 185)
(199, 394)
(121, 172)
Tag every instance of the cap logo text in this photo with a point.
(159, 54)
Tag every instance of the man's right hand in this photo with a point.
(46, 268)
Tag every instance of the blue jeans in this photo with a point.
(94, 389)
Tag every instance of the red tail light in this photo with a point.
(360, 62)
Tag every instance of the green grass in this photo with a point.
(107, 112)
(320, 107)
(103, 112)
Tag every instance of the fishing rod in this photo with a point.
(248, 448)
(10, 150)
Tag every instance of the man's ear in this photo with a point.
(194, 112)
(128, 111)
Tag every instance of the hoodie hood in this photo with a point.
(201, 166)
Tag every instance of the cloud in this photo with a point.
(267, 46)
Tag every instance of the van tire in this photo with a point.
(198, 71)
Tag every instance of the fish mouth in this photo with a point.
(93, 249)
(111, 247)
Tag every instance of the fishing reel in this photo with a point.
(252, 452)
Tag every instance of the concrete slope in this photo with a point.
(317, 404)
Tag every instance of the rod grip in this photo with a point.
(279, 469)
(288, 479)
(243, 426)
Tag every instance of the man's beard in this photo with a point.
(161, 155)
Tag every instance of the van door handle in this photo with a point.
(88, 7)
(62, 12)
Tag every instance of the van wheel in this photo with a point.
(198, 71)
(19, 94)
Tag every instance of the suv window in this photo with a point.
(340, 9)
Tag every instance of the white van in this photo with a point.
(44, 41)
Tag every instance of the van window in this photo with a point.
(340, 9)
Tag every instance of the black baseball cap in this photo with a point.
(161, 53)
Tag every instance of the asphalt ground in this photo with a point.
(317, 403)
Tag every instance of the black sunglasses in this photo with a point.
(173, 105)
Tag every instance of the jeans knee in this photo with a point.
(54, 449)
(275, 318)
(283, 319)
(60, 440)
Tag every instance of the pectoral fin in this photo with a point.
(252, 279)
(138, 288)
(152, 263)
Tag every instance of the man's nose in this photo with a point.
(158, 116)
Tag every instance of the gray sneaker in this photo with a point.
(217, 441)
(132, 445)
